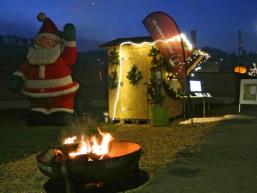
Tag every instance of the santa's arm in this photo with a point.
(69, 54)
(17, 79)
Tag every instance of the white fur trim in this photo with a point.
(50, 35)
(50, 83)
(51, 94)
(71, 44)
(53, 110)
(42, 71)
(20, 74)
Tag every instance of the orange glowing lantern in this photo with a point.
(240, 69)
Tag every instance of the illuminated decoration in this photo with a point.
(169, 76)
(198, 68)
(162, 26)
(122, 58)
(240, 69)
(197, 58)
(253, 71)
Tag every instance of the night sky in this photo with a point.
(98, 21)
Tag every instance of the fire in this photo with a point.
(92, 145)
(70, 140)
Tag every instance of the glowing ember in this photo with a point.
(70, 140)
(93, 145)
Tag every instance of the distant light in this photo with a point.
(192, 75)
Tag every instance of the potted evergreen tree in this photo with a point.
(155, 90)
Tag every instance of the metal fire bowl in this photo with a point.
(122, 160)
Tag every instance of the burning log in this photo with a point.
(90, 159)
(92, 148)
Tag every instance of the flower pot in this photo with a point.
(159, 116)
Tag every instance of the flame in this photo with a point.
(70, 140)
(93, 145)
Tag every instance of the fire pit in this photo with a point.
(87, 164)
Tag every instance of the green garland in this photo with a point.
(113, 80)
(157, 59)
(172, 93)
(113, 58)
(155, 86)
(134, 75)
(155, 92)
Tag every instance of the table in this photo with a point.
(203, 96)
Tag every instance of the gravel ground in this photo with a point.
(159, 144)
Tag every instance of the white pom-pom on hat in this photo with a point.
(41, 16)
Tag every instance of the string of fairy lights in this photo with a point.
(198, 53)
(179, 38)
(253, 71)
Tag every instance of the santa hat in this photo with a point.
(48, 27)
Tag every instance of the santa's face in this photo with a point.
(44, 41)
(45, 50)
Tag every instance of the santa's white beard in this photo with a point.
(43, 56)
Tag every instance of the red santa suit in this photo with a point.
(50, 87)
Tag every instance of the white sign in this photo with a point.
(248, 92)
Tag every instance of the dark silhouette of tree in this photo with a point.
(13, 51)
(227, 62)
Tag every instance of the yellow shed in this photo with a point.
(129, 101)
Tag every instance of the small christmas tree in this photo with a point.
(113, 59)
(134, 75)
(155, 85)
(155, 91)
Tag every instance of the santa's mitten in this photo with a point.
(15, 83)
(69, 32)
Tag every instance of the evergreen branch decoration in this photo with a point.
(171, 92)
(113, 58)
(134, 75)
(155, 86)
(154, 92)
(113, 80)
(154, 53)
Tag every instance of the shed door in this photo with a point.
(134, 97)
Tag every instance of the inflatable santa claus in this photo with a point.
(45, 78)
